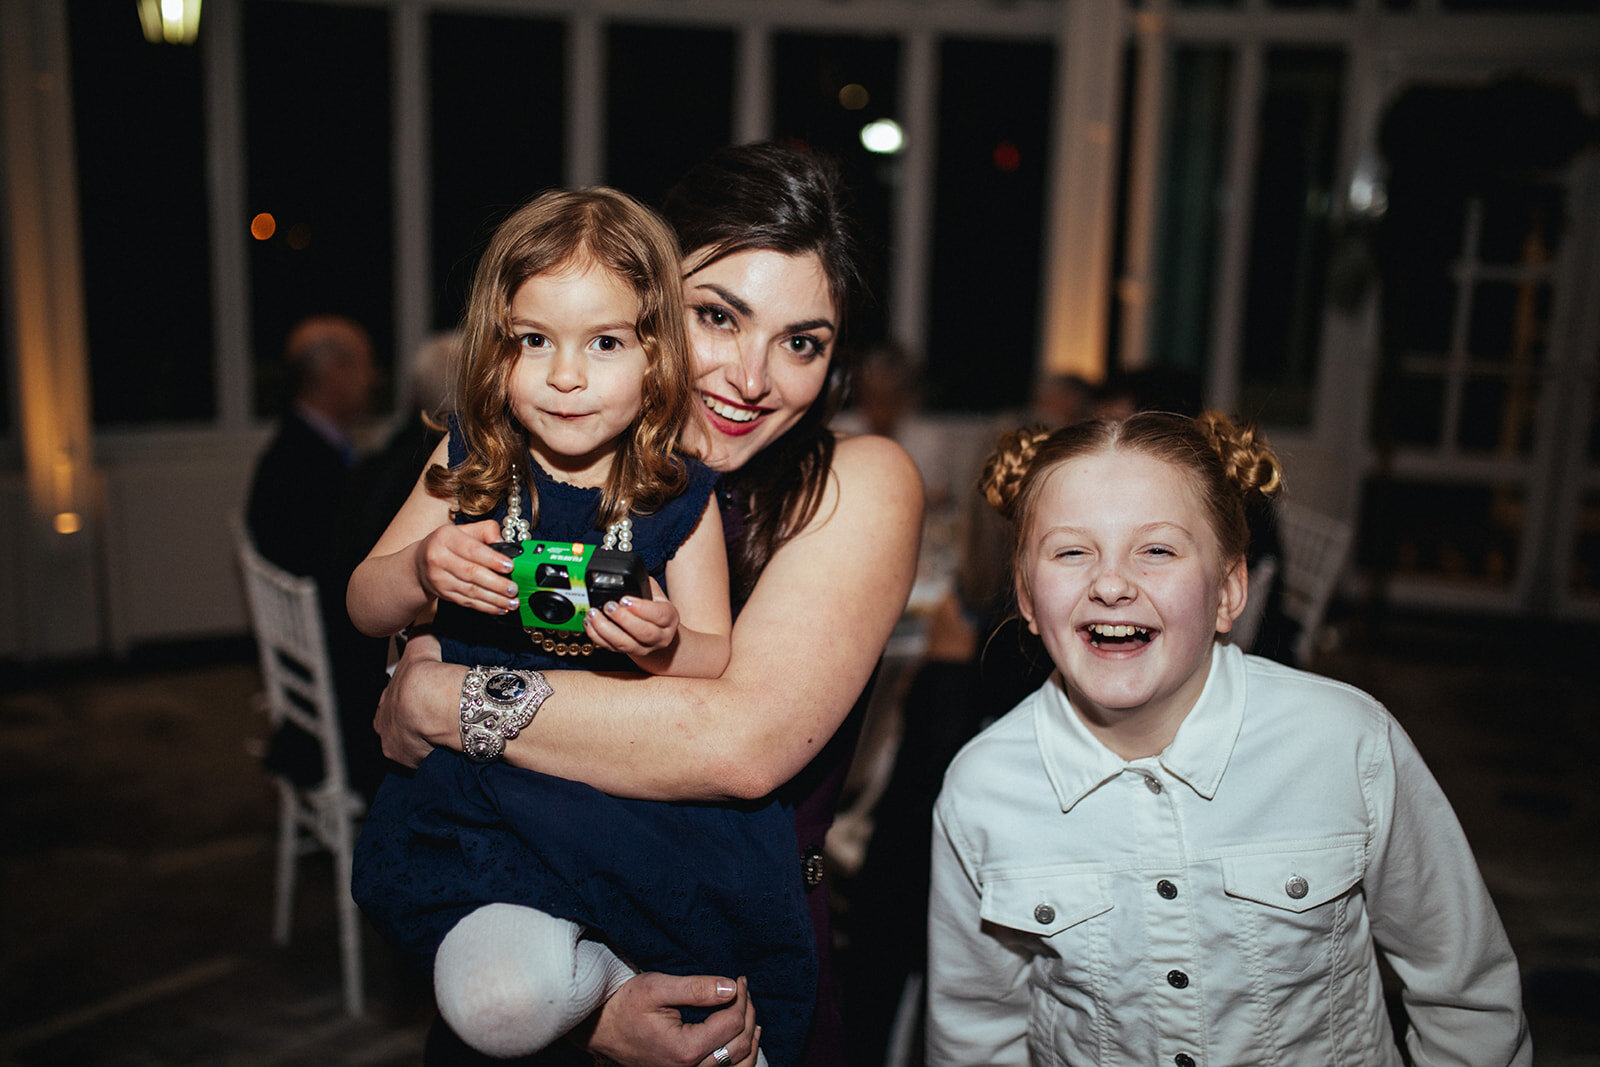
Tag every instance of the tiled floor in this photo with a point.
(135, 884)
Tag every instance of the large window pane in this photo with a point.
(1185, 266)
(1467, 535)
(1584, 576)
(653, 136)
(498, 130)
(319, 137)
(983, 311)
(1289, 239)
(1472, 231)
(826, 89)
(140, 135)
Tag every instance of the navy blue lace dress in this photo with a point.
(680, 888)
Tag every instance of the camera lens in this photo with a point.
(551, 608)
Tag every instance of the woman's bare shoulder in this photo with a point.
(873, 483)
(872, 462)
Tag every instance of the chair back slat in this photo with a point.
(1315, 547)
(286, 615)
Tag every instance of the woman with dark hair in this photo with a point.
(822, 535)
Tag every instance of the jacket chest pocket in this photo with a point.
(1293, 901)
(1044, 904)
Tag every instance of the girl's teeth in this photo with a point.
(728, 411)
(1102, 630)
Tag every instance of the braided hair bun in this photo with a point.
(1008, 465)
(1247, 460)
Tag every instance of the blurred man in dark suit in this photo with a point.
(300, 480)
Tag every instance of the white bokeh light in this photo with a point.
(882, 136)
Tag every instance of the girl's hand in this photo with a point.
(634, 626)
(455, 563)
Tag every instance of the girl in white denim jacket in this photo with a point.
(1173, 853)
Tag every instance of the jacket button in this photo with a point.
(1177, 979)
(1183, 1059)
(1166, 889)
(1044, 914)
(1297, 887)
(1152, 783)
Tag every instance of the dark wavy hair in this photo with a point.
(554, 230)
(778, 198)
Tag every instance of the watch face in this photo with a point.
(503, 687)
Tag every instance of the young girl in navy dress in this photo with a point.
(1174, 853)
(574, 388)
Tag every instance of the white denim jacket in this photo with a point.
(1217, 904)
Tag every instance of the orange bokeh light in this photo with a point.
(263, 226)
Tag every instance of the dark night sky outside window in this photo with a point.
(319, 150)
(808, 71)
(988, 224)
(1289, 240)
(142, 196)
(498, 136)
(1180, 333)
(668, 104)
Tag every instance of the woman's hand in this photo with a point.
(640, 1025)
(418, 709)
(455, 563)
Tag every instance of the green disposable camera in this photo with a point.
(559, 583)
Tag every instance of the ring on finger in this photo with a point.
(722, 1057)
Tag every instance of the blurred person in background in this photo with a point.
(298, 497)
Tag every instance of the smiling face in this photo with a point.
(761, 330)
(1122, 577)
(577, 383)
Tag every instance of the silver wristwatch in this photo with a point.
(497, 703)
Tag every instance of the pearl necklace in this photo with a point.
(515, 528)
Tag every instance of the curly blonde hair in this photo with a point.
(600, 227)
(1227, 463)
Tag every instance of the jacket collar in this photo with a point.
(1077, 763)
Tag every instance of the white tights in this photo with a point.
(510, 980)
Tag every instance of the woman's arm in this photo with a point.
(803, 648)
(687, 636)
(423, 555)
